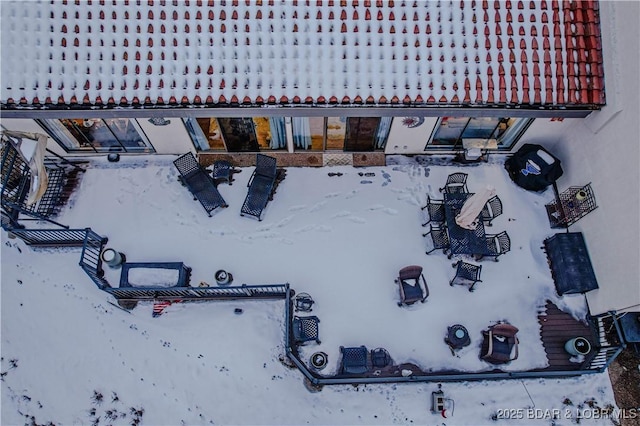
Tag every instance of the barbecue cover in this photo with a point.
(533, 168)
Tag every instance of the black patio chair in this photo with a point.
(439, 239)
(435, 209)
(497, 244)
(354, 360)
(491, 210)
(222, 172)
(199, 183)
(261, 185)
(466, 274)
(412, 285)
(305, 329)
(500, 344)
(456, 183)
(380, 358)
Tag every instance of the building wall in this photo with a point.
(170, 139)
(406, 140)
(28, 125)
(604, 149)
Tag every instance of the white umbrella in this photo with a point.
(39, 178)
(468, 216)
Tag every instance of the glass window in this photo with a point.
(336, 132)
(96, 135)
(237, 134)
(450, 131)
(308, 133)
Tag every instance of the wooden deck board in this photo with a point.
(556, 327)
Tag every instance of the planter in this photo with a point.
(223, 277)
(319, 360)
(112, 258)
(578, 346)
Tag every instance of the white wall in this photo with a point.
(28, 125)
(170, 139)
(403, 140)
(604, 150)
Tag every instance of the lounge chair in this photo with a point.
(261, 185)
(199, 183)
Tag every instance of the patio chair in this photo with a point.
(500, 344)
(456, 183)
(412, 285)
(439, 239)
(261, 184)
(354, 360)
(199, 183)
(380, 358)
(491, 210)
(222, 172)
(466, 274)
(497, 244)
(305, 329)
(435, 209)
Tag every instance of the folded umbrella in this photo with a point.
(468, 216)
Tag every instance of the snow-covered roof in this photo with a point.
(542, 53)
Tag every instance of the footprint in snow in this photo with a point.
(343, 213)
(351, 194)
(297, 208)
(305, 229)
(376, 207)
(324, 228)
(318, 206)
(357, 219)
(284, 221)
(332, 195)
(390, 211)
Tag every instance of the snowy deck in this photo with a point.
(341, 239)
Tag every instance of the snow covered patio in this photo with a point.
(341, 239)
(334, 237)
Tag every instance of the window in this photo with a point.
(340, 133)
(237, 134)
(96, 135)
(450, 131)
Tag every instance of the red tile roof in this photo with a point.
(166, 52)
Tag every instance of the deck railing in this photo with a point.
(268, 291)
(90, 260)
(51, 237)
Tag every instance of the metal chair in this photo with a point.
(456, 183)
(380, 358)
(498, 244)
(435, 209)
(412, 285)
(466, 274)
(439, 238)
(491, 210)
(500, 344)
(305, 329)
(303, 302)
(222, 172)
(354, 360)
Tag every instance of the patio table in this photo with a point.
(463, 241)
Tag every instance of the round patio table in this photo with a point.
(457, 337)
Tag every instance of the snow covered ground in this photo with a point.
(70, 357)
